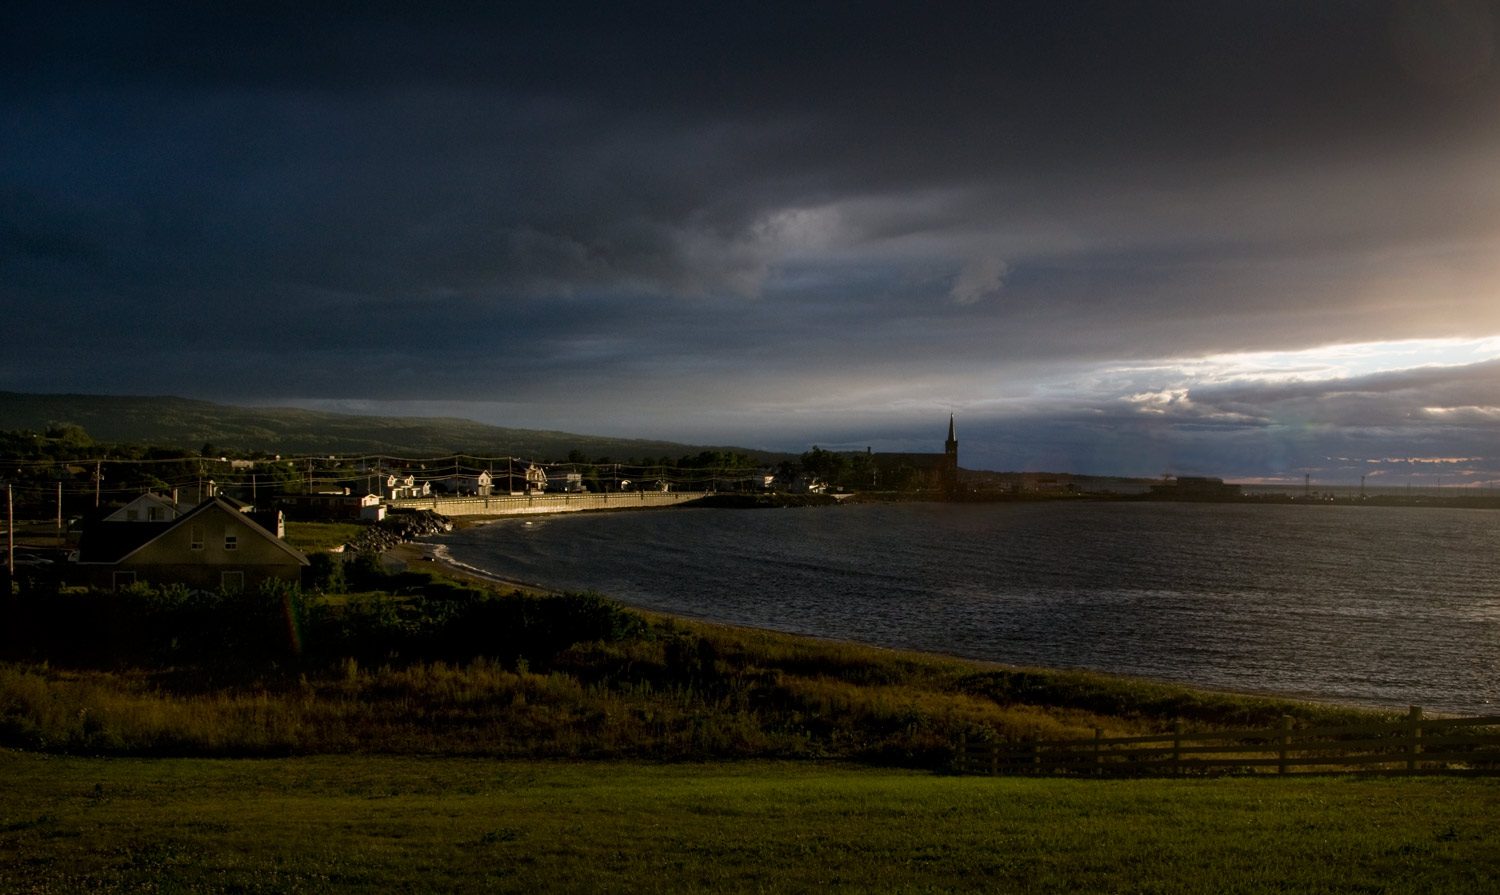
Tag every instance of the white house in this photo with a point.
(566, 482)
(399, 487)
(477, 485)
(148, 507)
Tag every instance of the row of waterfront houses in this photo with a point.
(221, 543)
(364, 494)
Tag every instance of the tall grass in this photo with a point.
(631, 699)
(426, 666)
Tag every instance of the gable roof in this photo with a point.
(110, 542)
(116, 544)
(145, 501)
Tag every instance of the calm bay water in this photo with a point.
(1365, 605)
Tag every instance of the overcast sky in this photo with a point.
(1248, 239)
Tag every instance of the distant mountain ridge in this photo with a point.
(189, 424)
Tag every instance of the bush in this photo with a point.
(166, 625)
(367, 572)
(521, 626)
(325, 572)
(278, 625)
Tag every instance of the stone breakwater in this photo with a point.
(398, 529)
(509, 505)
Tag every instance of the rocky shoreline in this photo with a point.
(397, 529)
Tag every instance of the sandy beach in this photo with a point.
(417, 555)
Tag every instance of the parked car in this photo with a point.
(30, 560)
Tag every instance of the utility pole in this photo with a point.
(10, 534)
(98, 477)
(60, 539)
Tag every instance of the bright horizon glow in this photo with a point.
(1323, 363)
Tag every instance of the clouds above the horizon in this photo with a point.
(775, 224)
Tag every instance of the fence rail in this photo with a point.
(1414, 745)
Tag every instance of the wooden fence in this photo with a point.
(1414, 745)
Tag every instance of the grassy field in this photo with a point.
(412, 824)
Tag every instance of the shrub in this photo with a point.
(367, 572)
(325, 572)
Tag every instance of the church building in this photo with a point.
(923, 472)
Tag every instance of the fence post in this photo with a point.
(1286, 743)
(1036, 757)
(1414, 737)
(1177, 748)
(1098, 757)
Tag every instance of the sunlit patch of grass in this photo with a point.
(310, 537)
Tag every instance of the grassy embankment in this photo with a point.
(422, 663)
(517, 676)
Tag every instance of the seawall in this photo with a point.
(508, 505)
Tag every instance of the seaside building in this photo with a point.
(1196, 487)
(467, 484)
(520, 478)
(565, 481)
(337, 504)
(219, 544)
(902, 471)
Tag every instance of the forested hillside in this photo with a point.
(189, 424)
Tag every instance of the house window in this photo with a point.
(153, 514)
(124, 579)
(195, 537)
(231, 542)
(232, 582)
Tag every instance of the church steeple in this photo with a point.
(950, 460)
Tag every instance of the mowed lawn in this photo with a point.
(388, 824)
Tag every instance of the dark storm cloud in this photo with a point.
(754, 207)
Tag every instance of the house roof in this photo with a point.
(110, 542)
(146, 500)
(114, 542)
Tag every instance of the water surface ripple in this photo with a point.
(1366, 605)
